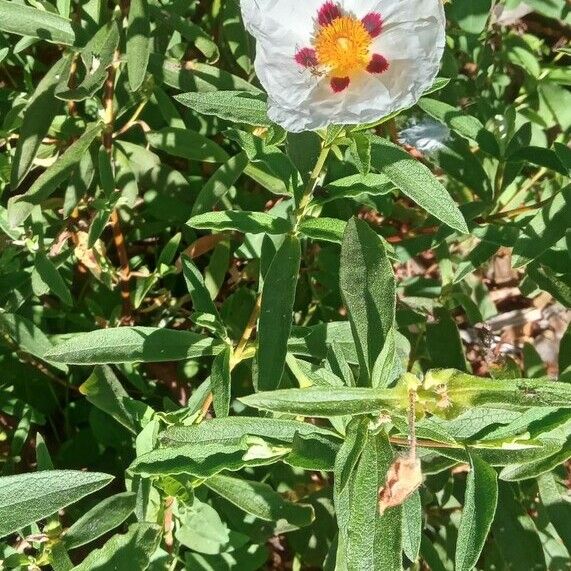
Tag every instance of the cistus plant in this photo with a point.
(284, 285)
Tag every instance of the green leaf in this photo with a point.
(276, 313)
(325, 229)
(472, 18)
(559, 286)
(50, 276)
(350, 452)
(187, 145)
(203, 531)
(517, 472)
(97, 55)
(478, 513)
(234, 428)
(444, 343)
(234, 106)
(188, 30)
(132, 345)
(383, 373)
(27, 336)
(241, 221)
(220, 183)
(546, 228)
(138, 42)
(361, 151)
(101, 519)
(27, 498)
(38, 114)
(515, 532)
(201, 299)
(373, 541)
(20, 207)
(373, 184)
(206, 459)
(16, 18)
(103, 390)
(261, 501)
(368, 286)
(220, 381)
(417, 182)
(465, 125)
(133, 550)
(412, 524)
(554, 497)
(198, 77)
(465, 391)
(323, 402)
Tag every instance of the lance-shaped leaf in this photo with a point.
(234, 428)
(276, 313)
(373, 541)
(133, 345)
(97, 56)
(23, 20)
(329, 401)
(27, 498)
(138, 42)
(187, 144)
(20, 207)
(235, 106)
(220, 183)
(412, 524)
(261, 501)
(220, 381)
(38, 116)
(456, 392)
(241, 221)
(417, 182)
(207, 459)
(103, 390)
(133, 550)
(104, 517)
(546, 228)
(368, 286)
(478, 513)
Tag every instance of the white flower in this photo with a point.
(345, 61)
(428, 136)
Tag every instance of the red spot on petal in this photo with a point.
(328, 12)
(339, 84)
(373, 23)
(378, 64)
(306, 57)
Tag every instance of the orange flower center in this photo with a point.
(343, 46)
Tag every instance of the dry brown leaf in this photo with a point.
(403, 479)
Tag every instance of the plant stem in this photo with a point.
(312, 183)
(118, 237)
(238, 354)
(412, 423)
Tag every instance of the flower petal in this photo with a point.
(378, 64)
(373, 23)
(328, 12)
(306, 57)
(339, 84)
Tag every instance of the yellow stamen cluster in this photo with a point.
(344, 46)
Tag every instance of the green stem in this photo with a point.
(312, 184)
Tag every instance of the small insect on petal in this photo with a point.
(373, 23)
(306, 57)
(328, 12)
(403, 479)
(339, 84)
(378, 64)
